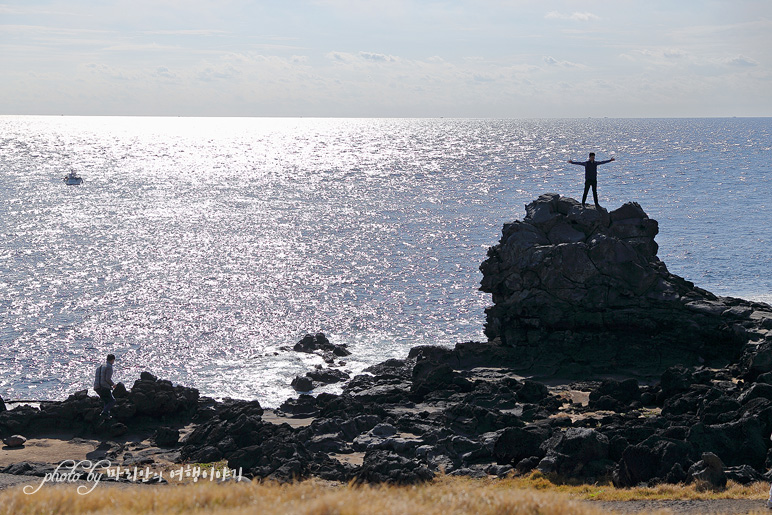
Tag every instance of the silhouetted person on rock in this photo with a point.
(591, 176)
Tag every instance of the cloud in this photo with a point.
(673, 53)
(144, 47)
(163, 71)
(576, 16)
(743, 61)
(662, 56)
(188, 32)
(361, 57)
(340, 57)
(381, 58)
(477, 77)
(551, 61)
(211, 74)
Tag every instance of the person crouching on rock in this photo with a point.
(103, 385)
(591, 176)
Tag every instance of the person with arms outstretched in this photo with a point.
(591, 176)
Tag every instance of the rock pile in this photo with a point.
(581, 291)
(149, 402)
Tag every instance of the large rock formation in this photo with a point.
(581, 291)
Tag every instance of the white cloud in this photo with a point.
(164, 73)
(551, 61)
(341, 57)
(673, 53)
(741, 60)
(304, 58)
(361, 57)
(381, 58)
(575, 16)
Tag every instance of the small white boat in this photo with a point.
(72, 179)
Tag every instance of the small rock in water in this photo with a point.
(302, 384)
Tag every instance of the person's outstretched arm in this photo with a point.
(606, 161)
(575, 162)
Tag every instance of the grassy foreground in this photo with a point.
(533, 494)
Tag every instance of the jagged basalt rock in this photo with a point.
(581, 291)
(319, 342)
(149, 401)
(153, 397)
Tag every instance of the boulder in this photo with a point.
(120, 392)
(166, 436)
(159, 398)
(380, 466)
(739, 442)
(743, 474)
(657, 457)
(302, 384)
(319, 343)
(577, 452)
(303, 406)
(327, 376)
(624, 392)
(117, 429)
(147, 376)
(2, 405)
(709, 472)
(639, 463)
(29, 468)
(15, 441)
(515, 444)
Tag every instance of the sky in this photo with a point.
(395, 58)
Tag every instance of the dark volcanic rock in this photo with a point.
(743, 474)
(581, 291)
(623, 392)
(518, 443)
(158, 398)
(2, 405)
(166, 436)
(120, 391)
(388, 467)
(738, 442)
(319, 342)
(577, 452)
(709, 471)
(327, 375)
(656, 457)
(302, 384)
(29, 468)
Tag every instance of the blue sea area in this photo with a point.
(200, 248)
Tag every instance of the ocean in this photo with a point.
(199, 249)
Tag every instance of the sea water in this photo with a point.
(199, 249)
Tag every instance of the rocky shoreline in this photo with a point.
(599, 364)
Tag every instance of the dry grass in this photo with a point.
(607, 492)
(529, 495)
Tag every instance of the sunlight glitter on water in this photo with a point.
(197, 248)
